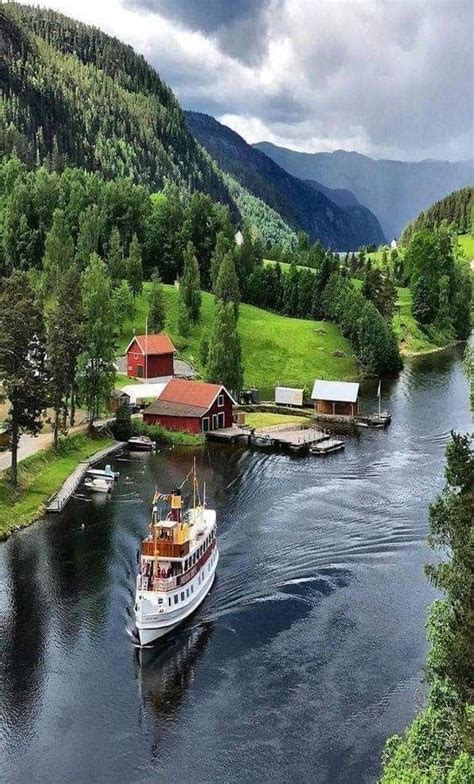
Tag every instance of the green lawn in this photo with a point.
(276, 349)
(285, 266)
(122, 380)
(411, 337)
(466, 242)
(262, 419)
(40, 476)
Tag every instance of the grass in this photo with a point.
(263, 419)
(412, 338)
(276, 349)
(122, 380)
(164, 436)
(466, 242)
(39, 477)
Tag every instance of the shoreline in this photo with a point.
(437, 350)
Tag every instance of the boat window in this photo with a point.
(160, 601)
(169, 601)
(192, 588)
(182, 596)
(176, 598)
(187, 593)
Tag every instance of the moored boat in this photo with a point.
(106, 473)
(97, 485)
(141, 444)
(178, 562)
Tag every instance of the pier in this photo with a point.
(58, 501)
(292, 437)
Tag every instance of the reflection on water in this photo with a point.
(308, 651)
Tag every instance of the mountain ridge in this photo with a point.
(300, 204)
(395, 191)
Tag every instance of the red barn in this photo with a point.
(192, 406)
(150, 356)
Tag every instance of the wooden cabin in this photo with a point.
(150, 356)
(336, 397)
(191, 406)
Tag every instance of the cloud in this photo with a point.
(390, 78)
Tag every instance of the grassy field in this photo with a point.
(39, 477)
(412, 339)
(263, 419)
(466, 242)
(275, 349)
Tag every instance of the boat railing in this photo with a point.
(145, 583)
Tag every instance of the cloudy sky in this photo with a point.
(389, 78)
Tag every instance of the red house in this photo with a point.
(192, 406)
(150, 356)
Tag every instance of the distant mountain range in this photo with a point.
(333, 216)
(395, 191)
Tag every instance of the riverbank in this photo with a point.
(40, 476)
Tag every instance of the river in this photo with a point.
(307, 653)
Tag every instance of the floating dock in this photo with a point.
(297, 439)
(327, 447)
(231, 434)
(58, 501)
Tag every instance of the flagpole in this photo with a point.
(380, 398)
(146, 347)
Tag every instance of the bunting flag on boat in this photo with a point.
(161, 497)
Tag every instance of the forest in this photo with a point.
(456, 211)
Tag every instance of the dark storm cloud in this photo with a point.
(240, 27)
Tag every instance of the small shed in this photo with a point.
(150, 356)
(116, 398)
(336, 397)
(288, 396)
(191, 406)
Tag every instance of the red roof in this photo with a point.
(191, 393)
(153, 344)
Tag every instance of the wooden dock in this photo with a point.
(58, 501)
(230, 434)
(327, 447)
(297, 439)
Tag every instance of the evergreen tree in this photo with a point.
(156, 308)
(134, 268)
(183, 320)
(22, 360)
(122, 426)
(443, 316)
(290, 291)
(189, 286)
(224, 364)
(58, 251)
(123, 304)
(115, 260)
(96, 363)
(223, 246)
(227, 286)
(57, 347)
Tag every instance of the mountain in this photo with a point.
(299, 203)
(72, 95)
(396, 191)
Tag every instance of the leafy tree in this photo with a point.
(57, 348)
(70, 305)
(134, 269)
(115, 260)
(96, 362)
(123, 304)
(290, 291)
(204, 348)
(443, 316)
(223, 246)
(189, 286)
(156, 308)
(227, 285)
(183, 320)
(90, 232)
(22, 360)
(164, 243)
(224, 364)
(58, 251)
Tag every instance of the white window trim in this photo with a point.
(220, 401)
(206, 419)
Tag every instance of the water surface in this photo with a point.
(307, 653)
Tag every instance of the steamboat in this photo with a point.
(178, 562)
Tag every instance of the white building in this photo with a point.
(393, 245)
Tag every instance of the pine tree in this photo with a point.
(156, 308)
(134, 268)
(223, 246)
(115, 260)
(227, 286)
(224, 365)
(22, 360)
(122, 427)
(58, 251)
(189, 286)
(96, 363)
(123, 303)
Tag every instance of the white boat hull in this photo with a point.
(151, 629)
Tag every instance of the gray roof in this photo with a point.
(166, 408)
(335, 391)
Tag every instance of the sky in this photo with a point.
(387, 78)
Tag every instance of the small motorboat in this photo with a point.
(97, 485)
(141, 444)
(106, 473)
